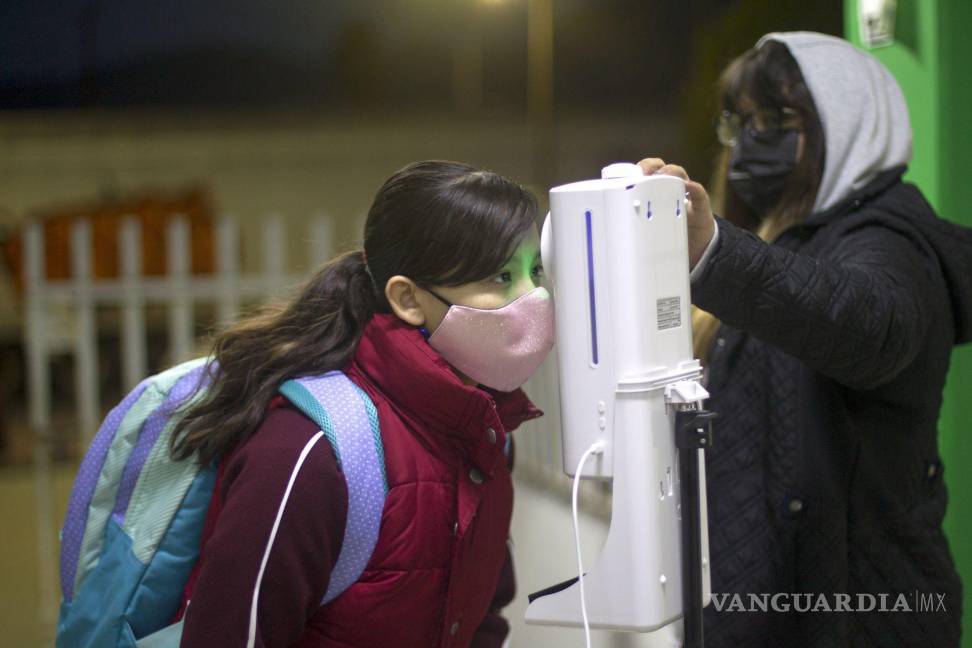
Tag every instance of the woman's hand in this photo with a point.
(701, 224)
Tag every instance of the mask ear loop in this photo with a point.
(437, 296)
(424, 331)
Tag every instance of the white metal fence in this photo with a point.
(60, 315)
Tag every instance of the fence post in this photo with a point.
(180, 304)
(35, 328)
(39, 383)
(320, 243)
(228, 267)
(273, 241)
(134, 338)
(85, 337)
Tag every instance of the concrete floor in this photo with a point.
(29, 592)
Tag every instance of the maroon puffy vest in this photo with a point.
(434, 571)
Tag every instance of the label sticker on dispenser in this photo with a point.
(669, 313)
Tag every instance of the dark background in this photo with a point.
(621, 57)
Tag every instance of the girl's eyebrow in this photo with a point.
(517, 255)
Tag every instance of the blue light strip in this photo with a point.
(590, 287)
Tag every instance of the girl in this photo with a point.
(439, 320)
(834, 296)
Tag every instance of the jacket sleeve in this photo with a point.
(857, 313)
(262, 575)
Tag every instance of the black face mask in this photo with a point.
(759, 166)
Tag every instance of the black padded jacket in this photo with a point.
(827, 374)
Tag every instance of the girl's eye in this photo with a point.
(538, 270)
(503, 277)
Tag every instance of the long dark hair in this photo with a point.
(436, 222)
(769, 77)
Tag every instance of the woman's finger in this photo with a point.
(650, 165)
(697, 193)
(673, 170)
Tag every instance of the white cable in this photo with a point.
(251, 634)
(596, 448)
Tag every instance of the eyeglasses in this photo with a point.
(763, 124)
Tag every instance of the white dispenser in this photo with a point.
(616, 252)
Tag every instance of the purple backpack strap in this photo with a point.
(350, 423)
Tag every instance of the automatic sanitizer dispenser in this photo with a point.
(616, 252)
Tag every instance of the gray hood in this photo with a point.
(861, 107)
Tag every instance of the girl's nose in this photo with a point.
(525, 285)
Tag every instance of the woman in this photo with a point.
(834, 296)
(439, 320)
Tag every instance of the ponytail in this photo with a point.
(315, 332)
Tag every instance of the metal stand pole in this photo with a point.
(693, 432)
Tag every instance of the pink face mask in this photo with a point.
(500, 348)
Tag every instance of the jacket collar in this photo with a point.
(395, 358)
(855, 199)
(847, 205)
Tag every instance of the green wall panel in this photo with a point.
(931, 59)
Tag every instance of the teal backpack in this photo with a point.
(133, 525)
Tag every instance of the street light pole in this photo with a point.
(540, 88)
(467, 67)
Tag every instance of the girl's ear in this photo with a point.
(402, 295)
